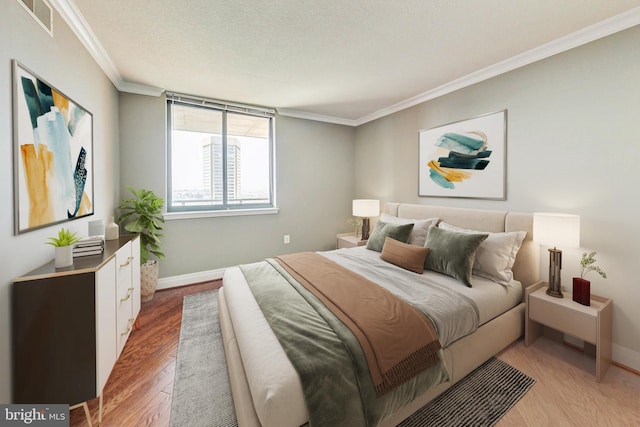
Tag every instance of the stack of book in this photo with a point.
(88, 246)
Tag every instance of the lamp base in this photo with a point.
(555, 265)
(365, 228)
(554, 293)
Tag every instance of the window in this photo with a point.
(220, 156)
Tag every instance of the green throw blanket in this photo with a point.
(328, 358)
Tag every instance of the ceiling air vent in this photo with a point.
(41, 12)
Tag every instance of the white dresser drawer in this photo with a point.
(124, 260)
(125, 292)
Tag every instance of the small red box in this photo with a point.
(581, 291)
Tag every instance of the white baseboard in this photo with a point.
(620, 355)
(188, 279)
(626, 357)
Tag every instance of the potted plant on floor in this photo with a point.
(63, 245)
(581, 286)
(142, 215)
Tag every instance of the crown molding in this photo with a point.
(139, 89)
(594, 32)
(80, 27)
(72, 16)
(316, 117)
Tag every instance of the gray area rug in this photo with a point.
(201, 391)
(202, 396)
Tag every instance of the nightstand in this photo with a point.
(591, 324)
(349, 240)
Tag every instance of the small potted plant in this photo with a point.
(63, 245)
(142, 215)
(581, 286)
(357, 224)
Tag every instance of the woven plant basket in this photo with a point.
(148, 280)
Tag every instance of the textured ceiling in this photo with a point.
(342, 58)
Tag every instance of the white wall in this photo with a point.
(64, 63)
(573, 146)
(314, 188)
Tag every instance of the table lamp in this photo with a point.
(556, 229)
(366, 208)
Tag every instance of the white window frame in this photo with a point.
(204, 211)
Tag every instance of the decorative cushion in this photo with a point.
(405, 255)
(496, 255)
(420, 227)
(452, 253)
(382, 230)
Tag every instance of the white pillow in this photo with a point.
(420, 227)
(496, 255)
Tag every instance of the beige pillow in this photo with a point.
(420, 227)
(409, 257)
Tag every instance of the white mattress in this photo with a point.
(275, 387)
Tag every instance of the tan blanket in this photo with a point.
(398, 340)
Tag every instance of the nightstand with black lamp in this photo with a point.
(548, 310)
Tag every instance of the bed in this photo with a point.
(266, 388)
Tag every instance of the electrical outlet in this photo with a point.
(287, 239)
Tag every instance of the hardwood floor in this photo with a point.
(139, 390)
(566, 392)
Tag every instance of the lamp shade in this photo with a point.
(366, 208)
(556, 229)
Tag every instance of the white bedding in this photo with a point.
(275, 387)
(492, 299)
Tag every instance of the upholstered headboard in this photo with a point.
(527, 266)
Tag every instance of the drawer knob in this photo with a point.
(129, 259)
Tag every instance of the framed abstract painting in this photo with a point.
(53, 154)
(465, 158)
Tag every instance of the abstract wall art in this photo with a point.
(53, 154)
(465, 158)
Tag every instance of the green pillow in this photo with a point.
(382, 230)
(452, 253)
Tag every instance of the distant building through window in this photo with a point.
(212, 161)
(219, 159)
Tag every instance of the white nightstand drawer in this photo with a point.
(573, 322)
